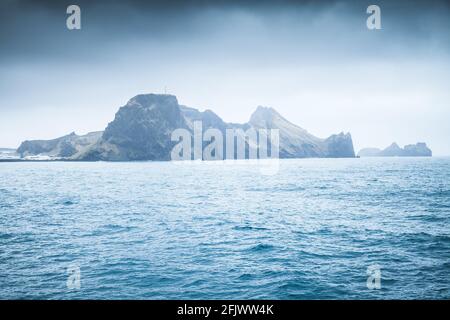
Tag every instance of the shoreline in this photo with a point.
(112, 161)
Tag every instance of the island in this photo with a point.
(419, 149)
(141, 130)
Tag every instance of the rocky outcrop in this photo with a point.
(141, 130)
(63, 147)
(340, 146)
(419, 149)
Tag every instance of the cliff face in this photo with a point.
(340, 146)
(419, 149)
(141, 130)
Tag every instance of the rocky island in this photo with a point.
(141, 130)
(419, 149)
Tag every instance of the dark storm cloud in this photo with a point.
(35, 30)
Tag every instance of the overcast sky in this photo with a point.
(317, 64)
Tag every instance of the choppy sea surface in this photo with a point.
(161, 230)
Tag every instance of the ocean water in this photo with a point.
(160, 230)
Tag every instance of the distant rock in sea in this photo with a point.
(419, 149)
(141, 130)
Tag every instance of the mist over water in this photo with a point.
(162, 230)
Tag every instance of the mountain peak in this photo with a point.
(264, 115)
(150, 99)
(394, 145)
(265, 110)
